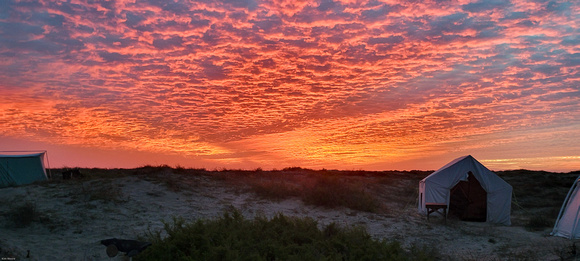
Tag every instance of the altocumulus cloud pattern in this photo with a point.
(314, 83)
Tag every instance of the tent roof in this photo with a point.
(21, 155)
(457, 169)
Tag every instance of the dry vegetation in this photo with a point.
(233, 237)
(537, 195)
(537, 199)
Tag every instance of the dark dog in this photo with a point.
(130, 247)
(71, 173)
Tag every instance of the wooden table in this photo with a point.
(434, 207)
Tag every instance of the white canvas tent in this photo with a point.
(17, 168)
(454, 185)
(567, 222)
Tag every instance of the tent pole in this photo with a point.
(48, 163)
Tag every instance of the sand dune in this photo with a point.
(73, 216)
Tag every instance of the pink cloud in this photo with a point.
(224, 78)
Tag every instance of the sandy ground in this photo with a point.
(76, 219)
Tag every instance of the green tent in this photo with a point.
(21, 169)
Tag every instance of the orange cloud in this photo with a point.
(349, 83)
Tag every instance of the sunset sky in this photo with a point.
(372, 85)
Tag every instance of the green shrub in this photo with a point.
(232, 237)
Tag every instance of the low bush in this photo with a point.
(538, 222)
(318, 189)
(232, 237)
(333, 192)
(23, 215)
(274, 190)
(102, 190)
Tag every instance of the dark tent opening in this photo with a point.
(468, 200)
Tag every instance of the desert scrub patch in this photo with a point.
(334, 192)
(566, 251)
(233, 237)
(25, 214)
(106, 192)
(423, 252)
(538, 223)
(323, 189)
(98, 190)
(274, 190)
